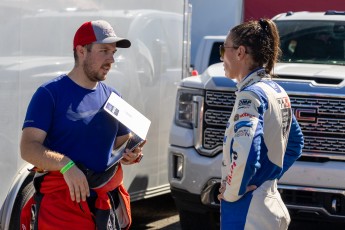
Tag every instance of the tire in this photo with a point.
(25, 193)
(201, 221)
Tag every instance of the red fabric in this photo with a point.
(57, 211)
(256, 9)
(103, 201)
(25, 216)
(126, 198)
(84, 35)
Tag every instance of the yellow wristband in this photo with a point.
(67, 167)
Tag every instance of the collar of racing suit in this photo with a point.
(253, 77)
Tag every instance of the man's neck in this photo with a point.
(81, 79)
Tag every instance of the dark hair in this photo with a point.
(261, 39)
(88, 48)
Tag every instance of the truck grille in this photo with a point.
(218, 107)
(322, 121)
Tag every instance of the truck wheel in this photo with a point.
(200, 221)
(25, 193)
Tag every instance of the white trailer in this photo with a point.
(36, 46)
(211, 18)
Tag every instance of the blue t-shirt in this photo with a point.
(75, 121)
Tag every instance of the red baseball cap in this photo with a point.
(99, 32)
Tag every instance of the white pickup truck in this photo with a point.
(313, 74)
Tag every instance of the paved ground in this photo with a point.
(155, 213)
(160, 213)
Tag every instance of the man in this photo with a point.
(69, 138)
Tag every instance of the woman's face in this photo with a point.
(230, 58)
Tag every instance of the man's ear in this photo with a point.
(81, 50)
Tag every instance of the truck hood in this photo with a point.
(33, 67)
(311, 79)
(213, 78)
(330, 75)
(291, 76)
(25, 74)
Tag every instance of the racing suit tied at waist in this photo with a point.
(101, 183)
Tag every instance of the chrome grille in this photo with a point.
(326, 126)
(324, 145)
(213, 137)
(217, 117)
(326, 106)
(220, 99)
(218, 107)
(325, 136)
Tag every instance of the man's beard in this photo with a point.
(92, 74)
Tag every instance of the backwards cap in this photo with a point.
(99, 32)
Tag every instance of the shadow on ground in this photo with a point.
(155, 213)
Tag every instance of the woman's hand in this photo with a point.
(221, 191)
(223, 186)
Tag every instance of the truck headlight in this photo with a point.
(185, 114)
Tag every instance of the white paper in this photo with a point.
(127, 115)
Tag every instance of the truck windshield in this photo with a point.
(314, 42)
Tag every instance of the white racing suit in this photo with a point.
(262, 140)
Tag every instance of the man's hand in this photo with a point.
(77, 184)
(131, 157)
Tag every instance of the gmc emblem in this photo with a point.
(305, 114)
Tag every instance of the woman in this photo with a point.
(262, 139)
